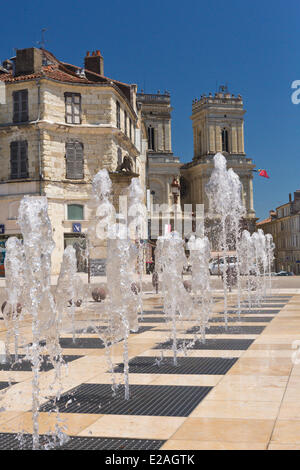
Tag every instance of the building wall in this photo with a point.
(285, 231)
(102, 141)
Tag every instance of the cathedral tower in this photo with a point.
(218, 126)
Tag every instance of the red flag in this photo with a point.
(263, 173)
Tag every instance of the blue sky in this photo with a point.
(188, 48)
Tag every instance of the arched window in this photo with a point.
(75, 212)
(225, 140)
(200, 143)
(151, 143)
(74, 160)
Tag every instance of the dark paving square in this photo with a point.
(4, 385)
(232, 330)
(186, 365)
(213, 344)
(145, 400)
(25, 365)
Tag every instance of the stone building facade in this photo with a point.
(59, 125)
(218, 126)
(284, 226)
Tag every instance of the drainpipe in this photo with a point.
(39, 133)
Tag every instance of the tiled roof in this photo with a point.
(64, 72)
(265, 221)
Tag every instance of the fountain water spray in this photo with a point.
(224, 197)
(199, 258)
(246, 253)
(137, 219)
(70, 290)
(122, 304)
(177, 302)
(270, 248)
(14, 277)
(39, 303)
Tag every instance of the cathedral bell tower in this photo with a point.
(218, 126)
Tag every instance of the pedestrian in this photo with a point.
(155, 281)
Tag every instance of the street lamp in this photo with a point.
(175, 188)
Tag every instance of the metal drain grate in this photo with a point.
(253, 311)
(214, 344)
(153, 312)
(145, 400)
(10, 441)
(152, 320)
(263, 305)
(186, 365)
(94, 330)
(241, 319)
(4, 385)
(25, 365)
(98, 443)
(85, 343)
(232, 330)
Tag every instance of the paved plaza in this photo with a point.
(238, 390)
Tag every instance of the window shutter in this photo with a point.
(14, 160)
(23, 159)
(24, 105)
(78, 160)
(74, 160)
(20, 106)
(19, 159)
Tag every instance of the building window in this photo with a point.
(73, 108)
(118, 115)
(151, 145)
(19, 159)
(75, 212)
(20, 106)
(130, 129)
(225, 140)
(125, 122)
(119, 156)
(200, 143)
(74, 160)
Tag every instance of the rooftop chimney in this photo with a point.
(94, 62)
(28, 61)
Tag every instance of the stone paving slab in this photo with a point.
(249, 406)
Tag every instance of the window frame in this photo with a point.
(73, 115)
(125, 123)
(21, 146)
(71, 173)
(72, 204)
(225, 141)
(118, 115)
(151, 138)
(18, 101)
